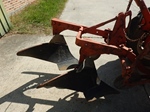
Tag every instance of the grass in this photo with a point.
(35, 18)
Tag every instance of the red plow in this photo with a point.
(130, 41)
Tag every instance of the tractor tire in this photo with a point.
(134, 33)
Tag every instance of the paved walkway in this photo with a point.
(19, 75)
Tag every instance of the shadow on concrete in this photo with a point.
(130, 100)
(18, 96)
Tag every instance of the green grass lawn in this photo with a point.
(35, 18)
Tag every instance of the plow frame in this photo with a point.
(84, 77)
(115, 42)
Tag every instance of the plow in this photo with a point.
(129, 39)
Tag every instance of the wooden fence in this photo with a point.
(4, 20)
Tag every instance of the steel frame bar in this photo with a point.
(115, 39)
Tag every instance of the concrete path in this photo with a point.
(19, 75)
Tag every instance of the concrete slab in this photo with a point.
(19, 75)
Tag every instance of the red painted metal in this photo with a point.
(146, 15)
(115, 41)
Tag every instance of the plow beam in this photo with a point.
(60, 25)
(84, 81)
(56, 51)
